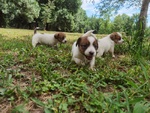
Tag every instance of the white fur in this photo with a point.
(78, 57)
(107, 45)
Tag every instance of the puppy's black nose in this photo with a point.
(91, 53)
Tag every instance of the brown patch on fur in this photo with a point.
(83, 44)
(60, 36)
(115, 37)
(95, 44)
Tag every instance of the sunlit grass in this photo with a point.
(17, 33)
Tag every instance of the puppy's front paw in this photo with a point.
(113, 56)
(92, 68)
(82, 63)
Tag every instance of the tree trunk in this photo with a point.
(1, 18)
(46, 27)
(143, 17)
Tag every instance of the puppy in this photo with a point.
(107, 43)
(48, 39)
(84, 49)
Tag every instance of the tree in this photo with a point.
(124, 23)
(80, 20)
(46, 13)
(71, 5)
(114, 5)
(143, 16)
(21, 10)
(63, 21)
(63, 14)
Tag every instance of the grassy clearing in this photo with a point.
(44, 79)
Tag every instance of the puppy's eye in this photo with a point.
(96, 46)
(84, 46)
(119, 38)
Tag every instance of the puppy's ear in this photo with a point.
(113, 36)
(78, 41)
(56, 35)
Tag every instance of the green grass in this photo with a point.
(45, 79)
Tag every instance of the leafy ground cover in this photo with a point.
(44, 79)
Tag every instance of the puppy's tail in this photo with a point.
(36, 29)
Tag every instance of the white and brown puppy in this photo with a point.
(107, 43)
(48, 39)
(84, 49)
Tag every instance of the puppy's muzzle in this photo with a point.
(64, 41)
(91, 53)
(121, 41)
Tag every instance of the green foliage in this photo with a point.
(71, 5)
(81, 21)
(20, 10)
(63, 20)
(125, 23)
(106, 26)
(19, 109)
(63, 14)
(141, 107)
(46, 12)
